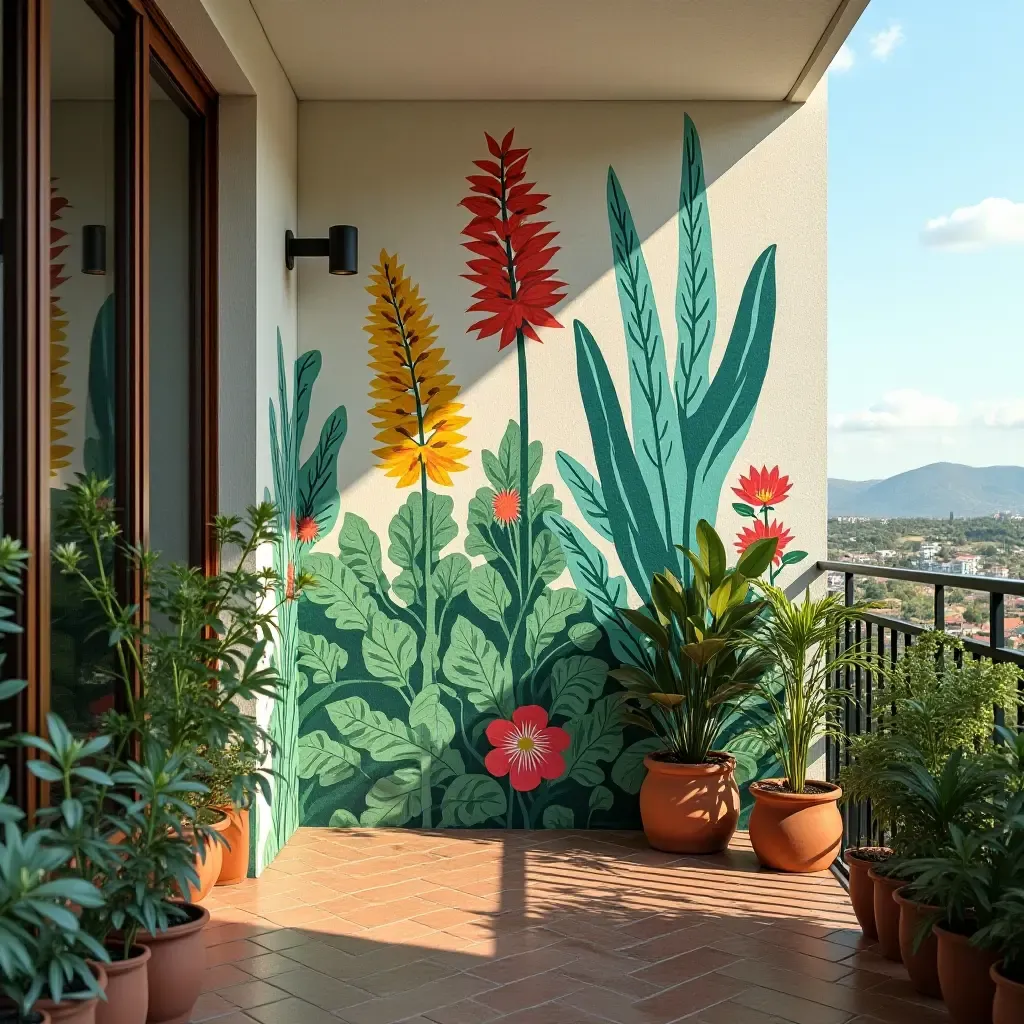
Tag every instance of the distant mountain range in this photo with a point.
(931, 491)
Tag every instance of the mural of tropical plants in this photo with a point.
(60, 408)
(456, 683)
(306, 497)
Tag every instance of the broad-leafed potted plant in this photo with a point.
(702, 667)
(1005, 932)
(795, 824)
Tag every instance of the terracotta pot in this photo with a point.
(208, 865)
(862, 891)
(176, 967)
(690, 808)
(74, 1011)
(796, 832)
(1008, 1007)
(922, 965)
(235, 856)
(127, 989)
(965, 978)
(887, 914)
(7, 1015)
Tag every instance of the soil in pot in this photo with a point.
(965, 978)
(8, 1016)
(887, 914)
(1008, 1007)
(795, 832)
(176, 966)
(75, 1011)
(127, 986)
(208, 865)
(690, 808)
(860, 860)
(235, 856)
(921, 961)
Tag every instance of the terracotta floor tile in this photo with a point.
(469, 1011)
(531, 991)
(210, 1005)
(404, 977)
(790, 1008)
(282, 938)
(618, 1008)
(523, 965)
(420, 1000)
(733, 1013)
(228, 952)
(691, 996)
(684, 966)
(319, 989)
(252, 993)
(291, 1011)
(266, 966)
(224, 975)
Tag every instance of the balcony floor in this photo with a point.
(376, 927)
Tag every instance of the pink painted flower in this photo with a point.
(526, 749)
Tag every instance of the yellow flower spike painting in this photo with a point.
(416, 413)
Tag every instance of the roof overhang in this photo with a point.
(556, 49)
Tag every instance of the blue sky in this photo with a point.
(926, 238)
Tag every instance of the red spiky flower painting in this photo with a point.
(511, 251)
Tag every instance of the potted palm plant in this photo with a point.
(700, 669)
(795, 824)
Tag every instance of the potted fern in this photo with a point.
(795, 824)
(701, 668)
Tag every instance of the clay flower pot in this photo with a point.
(74, 1011)
(208, 865)
(690, 808)
(862, 888)
(1008, 1007)
(176, 966)
(127, 989)
(923, 964)
(235, 856)
(887, 914)
(965, 978)
(796, 832)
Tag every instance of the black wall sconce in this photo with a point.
(341, 247)
(94, 249)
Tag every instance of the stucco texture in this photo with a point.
(453, 652)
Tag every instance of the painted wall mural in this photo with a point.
(468, 686)
(60, 406)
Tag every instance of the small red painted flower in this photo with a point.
(505, 506)
(526, 749)
(747, 536)
(307, 529)
(764, 487)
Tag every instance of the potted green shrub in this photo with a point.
(795, 824)
(700, 669)
(197, 648)
(1005, 933)
(933, 707)
(50, 968)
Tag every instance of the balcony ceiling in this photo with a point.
(556, 49)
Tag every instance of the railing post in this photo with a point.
(940, 608)
(997, 637)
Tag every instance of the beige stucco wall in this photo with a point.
(397, 171)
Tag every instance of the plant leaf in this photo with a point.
(628, 771)
(327, 759)
(390, 650)
(472, 663)
(597, 736)
(574, 682)
(359, 549)
(488, 592)
(558, 816)
(451, 576)
(586, 492)
(548, 617)
(326, 659)
(394, 800)
(345, 599)
(472, 800)
(431, 719)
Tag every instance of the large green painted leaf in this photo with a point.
(448, 764)
(479, 523)
(472, 663)
(575, 681)
(318, 497)
(345, 600)
(585, 635)
(696, 299)
(324, 658)
(342, 818)
(431, 719)
(558, 816)
(394, 800)
(390, 650)
(589, 572)
(596, 737)
(451, 576)
(548, 618)
(406, 531)
(601, 799)
(383, 738)
(472, 800)
(98, 451)
(488, 592)
(548, 560)
(325, 758)
(639, 541)
(628, 771)
(359, 549)
(586, 492)
(543, 500)
(307, 369)
(503, 469)
(655, 425)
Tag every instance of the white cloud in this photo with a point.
(991, 222)
(904, 409)
(884, 42)
(1002, 414)
(843, 60)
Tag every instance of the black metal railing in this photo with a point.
(888, 638)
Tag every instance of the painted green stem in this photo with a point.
(525, 559)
